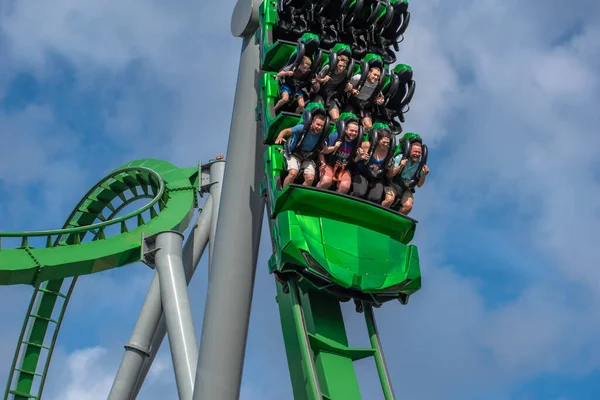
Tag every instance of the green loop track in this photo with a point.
(93, 239)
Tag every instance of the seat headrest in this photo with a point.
(412, 137)
(310, 111)
(342, 49)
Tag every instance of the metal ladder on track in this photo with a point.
(32, 340)
(313, 345)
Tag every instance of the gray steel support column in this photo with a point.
(217, 170)
(229, 297)
(192, 252)
(176, 306)
(138, 347)
(151, 328)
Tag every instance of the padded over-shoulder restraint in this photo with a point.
(340, 127)
(307, 45)
(370, 61)
(394, 32)
(404, 147)
(405, 89)
(292, 15)
(338, 50)
(310, 111)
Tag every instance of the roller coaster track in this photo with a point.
(84, 246)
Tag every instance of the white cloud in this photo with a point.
(86, 377)
(87, 374)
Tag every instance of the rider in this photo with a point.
(361, 100)
(404, 176)
(339, 154)
(301, 150)
(369, 180)
(332, 84)
(294, 80)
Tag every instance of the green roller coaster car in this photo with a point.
(343, 245)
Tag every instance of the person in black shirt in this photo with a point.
(332, 85)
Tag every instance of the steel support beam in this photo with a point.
(233, 266)
(192, 252)
(176, 306)
(217, 171)
(151, 328)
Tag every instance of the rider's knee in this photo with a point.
(326, 181)
(309, 179)
(406, 207)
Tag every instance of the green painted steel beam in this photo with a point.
(175, 192)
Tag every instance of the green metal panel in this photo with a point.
(296, 361)
(333, 357)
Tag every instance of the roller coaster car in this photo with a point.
(345, 246)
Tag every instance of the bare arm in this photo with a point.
(283, 73)
(282, 135)
(422, 180)
(352, 83)
(322, 76)
(396, 170)
(331, 149)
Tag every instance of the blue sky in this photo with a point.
(507, 99)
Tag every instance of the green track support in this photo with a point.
(320, 360)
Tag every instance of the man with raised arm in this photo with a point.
(302, 149)
(404, 177)
(294, 81)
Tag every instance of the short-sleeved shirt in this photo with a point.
(334, 82)
(298, 80)
(409, 170)
(344, 152)
(310, 142)
(367, 89)
(373, 168)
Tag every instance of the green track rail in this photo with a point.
(85, 245)
(320, 360)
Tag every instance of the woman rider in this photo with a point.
(369, 179)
